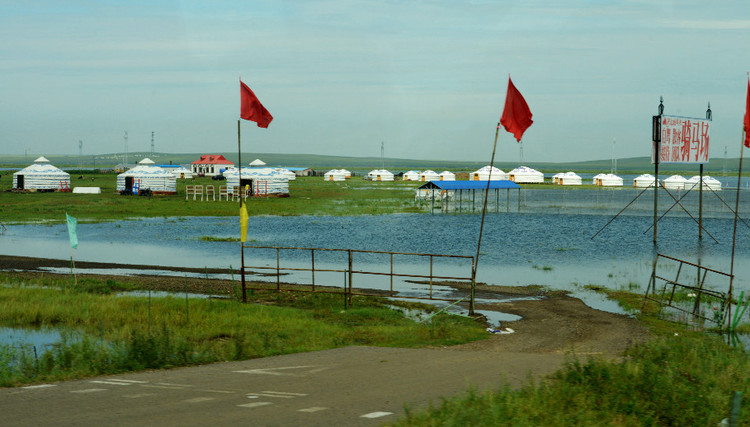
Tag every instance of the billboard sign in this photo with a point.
(683, 140)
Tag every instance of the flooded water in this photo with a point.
(549, 246)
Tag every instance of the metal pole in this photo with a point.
(700, 204)
(734, 232)
(312, 253)
(278, 271)
(350, 277)
(242, 245)
(484, 211)
(391, 275)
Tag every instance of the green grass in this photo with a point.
(680, 378)
(108, 334)
(308, 196)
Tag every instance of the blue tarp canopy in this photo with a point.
(470, 185)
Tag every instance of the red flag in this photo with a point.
(252, 109)
(747, 116)
(516, 114)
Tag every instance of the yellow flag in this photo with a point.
(243, 223)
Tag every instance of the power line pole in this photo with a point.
(126, 147)
(80, 154)
(152, 143)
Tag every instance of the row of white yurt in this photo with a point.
(607, 180)
(335, 175)
(677, 182)
(447, 176)
(483, 174)
(379, 175)
(266, 181)
(180, 172)
(41, 175)
(526, 175)
(410, 176)
(147, 176)
(567, 178)
(428, 175)
(644, 181)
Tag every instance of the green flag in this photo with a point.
(72, 222)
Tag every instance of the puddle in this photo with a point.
(29, 337)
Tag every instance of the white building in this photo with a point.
(379, 175)
(568, 178)
(483, 174)
(41, 175)
(147, 176)
(335, 175)
(526, 175)
(675, 182)
(608, 180)
(447, 176)
(643, 181)
(428, 175)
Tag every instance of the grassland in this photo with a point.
(680, 378)
(107, 334)
(309, 196)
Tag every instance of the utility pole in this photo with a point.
(152, 144)
(80, 154)
(126, 147)
(382, 153)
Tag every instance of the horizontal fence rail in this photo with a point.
(691, 289)
(350, 265)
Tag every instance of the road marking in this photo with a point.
(280, 394)
(139, 395)
(128, 381)
(313, 409)
(217, 391)
(110, 382)
(168, 387)
(273, 371)
(30, 387)
(89, 390)
(199, 399)
(175, 385)
(255, 404)
(375, 414)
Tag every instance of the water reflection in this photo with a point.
(548, 248)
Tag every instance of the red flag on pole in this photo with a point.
(747, 116)
(516, 114)
(251, 108)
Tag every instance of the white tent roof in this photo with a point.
(41, 159)
(146, 161)
(675, 178)
(257, 162)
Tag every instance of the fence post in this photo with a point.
(391, 274)
(430, 276)
(312, 253)
(350, 277)
(278, 272)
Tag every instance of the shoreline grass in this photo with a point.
(107, 334)
(681, 378)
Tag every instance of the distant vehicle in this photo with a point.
(218, 177)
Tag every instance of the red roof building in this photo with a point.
(210, 164)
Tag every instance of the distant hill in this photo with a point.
(321, 162)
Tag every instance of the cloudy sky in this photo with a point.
(426, 78)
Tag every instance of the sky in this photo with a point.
(427, 79)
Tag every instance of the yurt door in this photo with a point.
(19, 182)
(129, 183)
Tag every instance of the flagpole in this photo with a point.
(734, 232)
(239, 189)
(481, 224)
(73, 267)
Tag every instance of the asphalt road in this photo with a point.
(352, 386)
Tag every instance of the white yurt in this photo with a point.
(483, 174)
(675, 182)
(643, 181)
(334, 175)
(429, 175)
(41, 175)
(568, 178)
(526, 175)
(411, 176)
(291, 176)
(379, 175)
(447, 176)
(556, 177)
(257, 163)
(266, 181)
(346, 173)
(147, 176)
(608, 180)
(709, 183)
(180, 172)
(595, 178)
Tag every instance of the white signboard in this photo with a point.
(684, 140)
